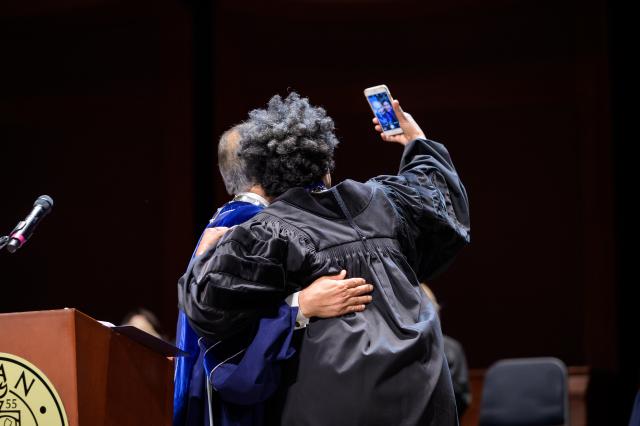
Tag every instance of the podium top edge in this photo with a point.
(50, 312)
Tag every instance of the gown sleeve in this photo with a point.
(242, 279)
(432, 205)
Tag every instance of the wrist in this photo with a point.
(416, 134)
(303, 304)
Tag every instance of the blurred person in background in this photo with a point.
(146, 321)
(457, 362)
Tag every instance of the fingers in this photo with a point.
(354, 308)
(340, 276)
(217, 232)
(390, 138)
(210, 237)
(213, 235)
(358, 302)
(375, 120)
(398, 110)
(362, 300)
(360, 290)
(354, 282)
(217, 229)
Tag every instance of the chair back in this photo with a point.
(525, 391)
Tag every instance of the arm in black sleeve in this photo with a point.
(432, 203)
(234, 284)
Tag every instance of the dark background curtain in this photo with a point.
(114, 108)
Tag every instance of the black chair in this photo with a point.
(525, 391)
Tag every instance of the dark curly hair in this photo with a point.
(289, 144)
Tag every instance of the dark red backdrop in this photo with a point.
(95, 110)
(111, 107)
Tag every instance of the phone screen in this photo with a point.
(381, 105)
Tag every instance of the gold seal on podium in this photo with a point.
(27, 397)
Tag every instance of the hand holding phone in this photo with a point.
(399, 127)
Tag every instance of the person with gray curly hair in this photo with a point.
(289, 144)
(383, 365)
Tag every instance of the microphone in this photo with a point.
(25, 228)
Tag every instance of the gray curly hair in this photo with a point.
(289, 144)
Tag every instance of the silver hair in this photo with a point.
(231, 166)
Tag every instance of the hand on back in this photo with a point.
(332, 296)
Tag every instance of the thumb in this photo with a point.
(399, 112)
(340, 276)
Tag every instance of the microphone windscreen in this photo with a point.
(44, 201)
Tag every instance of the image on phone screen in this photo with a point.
(381, 105)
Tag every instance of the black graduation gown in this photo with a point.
(383, 366)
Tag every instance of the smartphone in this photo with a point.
(380, 100)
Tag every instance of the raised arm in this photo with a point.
(429, 197)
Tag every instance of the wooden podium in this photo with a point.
(102, 377)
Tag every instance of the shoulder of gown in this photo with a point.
(247, 275)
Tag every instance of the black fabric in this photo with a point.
(382, 366)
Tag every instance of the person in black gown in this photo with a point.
(384, 365)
